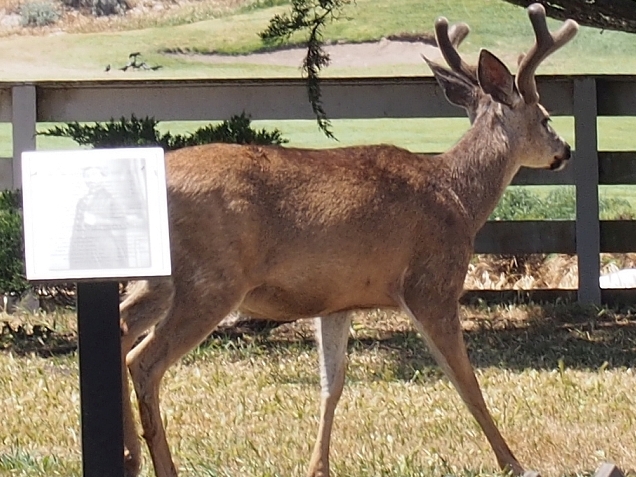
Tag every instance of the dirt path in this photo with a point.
(359, 55)
(15, 67)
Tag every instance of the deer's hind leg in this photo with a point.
(332, 333)
(440, 326)
(195, 312)
(146, 303)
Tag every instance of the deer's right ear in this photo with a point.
(457, 89)
(496, 80)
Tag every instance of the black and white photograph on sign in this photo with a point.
(95, 213)
(110, 229)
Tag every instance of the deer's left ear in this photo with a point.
(496, 80)
(457, 89)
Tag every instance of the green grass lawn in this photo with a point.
(559, 381)
(415, 134)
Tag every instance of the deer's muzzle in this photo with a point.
(560, 161)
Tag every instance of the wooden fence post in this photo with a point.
(588, 243)
(24, 119)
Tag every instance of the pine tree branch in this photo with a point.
(311, 16)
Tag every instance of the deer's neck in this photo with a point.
(483, 164)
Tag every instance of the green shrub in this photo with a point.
(519, 203)
(560, 204)
(612, 208)
(143, 132)
(99, 8)
(123, 133)
(262, 4)
(12, 271)
(38, 13)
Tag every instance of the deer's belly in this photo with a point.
(285, 304)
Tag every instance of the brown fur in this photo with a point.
(282, 234)
(306, 226)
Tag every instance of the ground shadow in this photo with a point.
(41, 340)
(581, 346)
(552, 337)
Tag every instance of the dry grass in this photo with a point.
(143, 14)
(498, 272)
(153, 13)
(559, 381)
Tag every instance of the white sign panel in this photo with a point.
(98, 213)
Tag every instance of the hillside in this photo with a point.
(193, 39)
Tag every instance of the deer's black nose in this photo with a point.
(568, 153)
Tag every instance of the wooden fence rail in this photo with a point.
(583, 97)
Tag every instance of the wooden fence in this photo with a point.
(583, 97)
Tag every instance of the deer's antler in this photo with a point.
(448, 41)
(458, 33)
(545, 44)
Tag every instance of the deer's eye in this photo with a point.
(546, 121)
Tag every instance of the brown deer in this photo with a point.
(281, 233)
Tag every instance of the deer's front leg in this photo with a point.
(441, 329)
(332, 333)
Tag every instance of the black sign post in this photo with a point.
(100, 379)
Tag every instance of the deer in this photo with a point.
(286, 233)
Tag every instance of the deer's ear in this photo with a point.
(496, 80)
(457, 89)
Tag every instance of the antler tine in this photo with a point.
(545, 44)
(448, 42)
(458, 33)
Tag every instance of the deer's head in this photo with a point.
(513, 102)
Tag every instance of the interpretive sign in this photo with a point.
(94, 217)
(93, 214)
